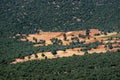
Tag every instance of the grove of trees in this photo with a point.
(88, 67)
(21, 16)
(31, 16)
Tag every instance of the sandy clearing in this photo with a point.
(98, 50)
(69, 52)
(48, 35)
(112, 41)
(94, 31)
(40, 56)
(49, 55)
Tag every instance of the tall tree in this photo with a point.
(65, 37)
(54, 52)
(88, 32)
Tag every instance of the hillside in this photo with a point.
(76, 43)
(59, 39)
(28, 16)
(88, 67)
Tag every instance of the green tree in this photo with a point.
(42, 42)
(75, 39)
(20, 56)
(35, 39)
(86, 53)
(43, 55)
(80, 35)
(110, 46)
(110, 38)
(54, 52)
(88, 32)
(56, 41)
(29, 57)
(36, 56)
(65, 37)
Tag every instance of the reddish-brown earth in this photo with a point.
(69, 52)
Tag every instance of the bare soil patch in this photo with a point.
(69, 52)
